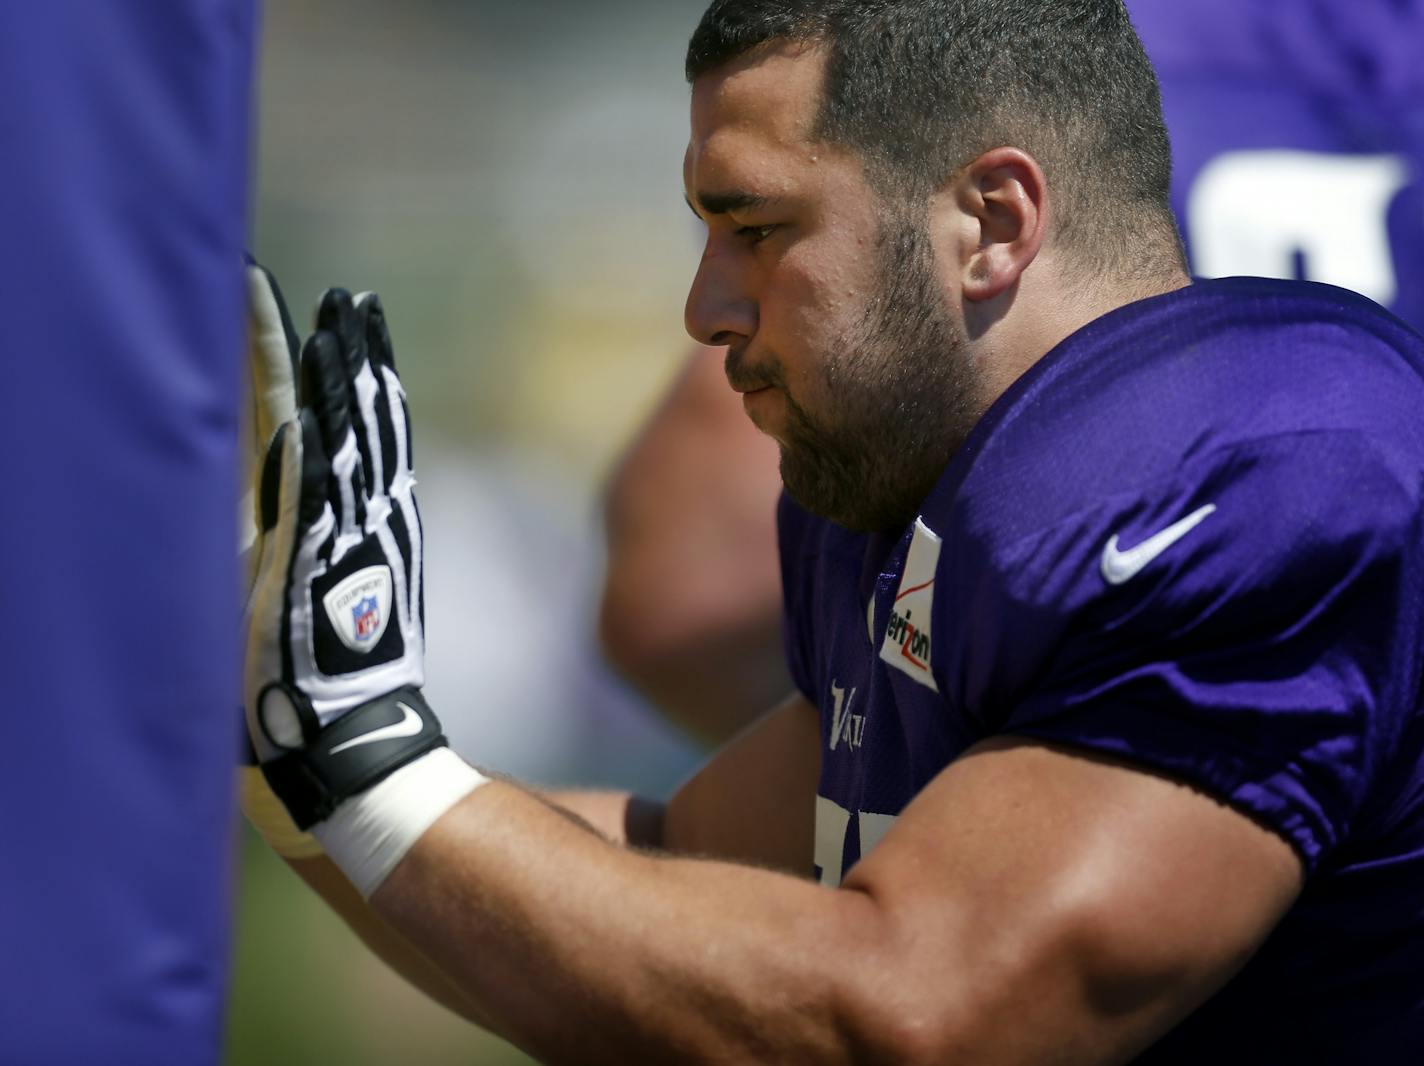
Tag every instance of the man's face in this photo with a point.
(828, 296)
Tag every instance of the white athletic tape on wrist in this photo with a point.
(371, 832)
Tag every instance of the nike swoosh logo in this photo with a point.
(1122, 566)
(408, 726)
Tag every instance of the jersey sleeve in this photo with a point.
(1251, 628)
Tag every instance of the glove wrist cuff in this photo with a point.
(266, 814)
(358, 750)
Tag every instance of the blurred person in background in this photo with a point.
(1155, 797)
(691, 604)
(1297, 132)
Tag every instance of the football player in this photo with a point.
(1104, 600)
(1298, 147)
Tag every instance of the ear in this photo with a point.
(1002, 200)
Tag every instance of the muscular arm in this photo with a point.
(753, 802)
(1028, 903)
(750, 803)
(691, 609)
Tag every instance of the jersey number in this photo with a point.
(1255, 212)
(833, 825)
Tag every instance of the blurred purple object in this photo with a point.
(1298, 138)
(124, 130)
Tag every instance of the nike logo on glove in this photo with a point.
(1122, 566)
(408, 726)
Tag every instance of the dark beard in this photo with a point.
(902, 397)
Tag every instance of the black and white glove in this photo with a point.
(335, 636)
(272, 361)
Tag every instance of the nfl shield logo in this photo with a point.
(365, 616)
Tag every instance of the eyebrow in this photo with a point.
(722, 203)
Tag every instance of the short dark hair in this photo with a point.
(918, 88)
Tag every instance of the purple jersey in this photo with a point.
(1298, 138)
(1191, 537)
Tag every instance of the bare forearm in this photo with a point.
(586, 952)
(322, 876)
(749, 805)
(618, 817)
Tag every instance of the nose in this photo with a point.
(719, 308)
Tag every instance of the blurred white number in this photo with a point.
(1253, 212)
(832, 825)
(832, 821)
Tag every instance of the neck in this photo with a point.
(1046, 306)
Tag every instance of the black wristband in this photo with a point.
(363, 746)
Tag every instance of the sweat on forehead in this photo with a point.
(753, 131)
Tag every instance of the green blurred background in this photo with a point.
(508, 177)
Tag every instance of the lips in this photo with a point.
(747, 382)
(748, 379)
(760, 403)
(744, 380)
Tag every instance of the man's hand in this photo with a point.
(272, 357)
(272, 360)
(335, 650)
(335, 617)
